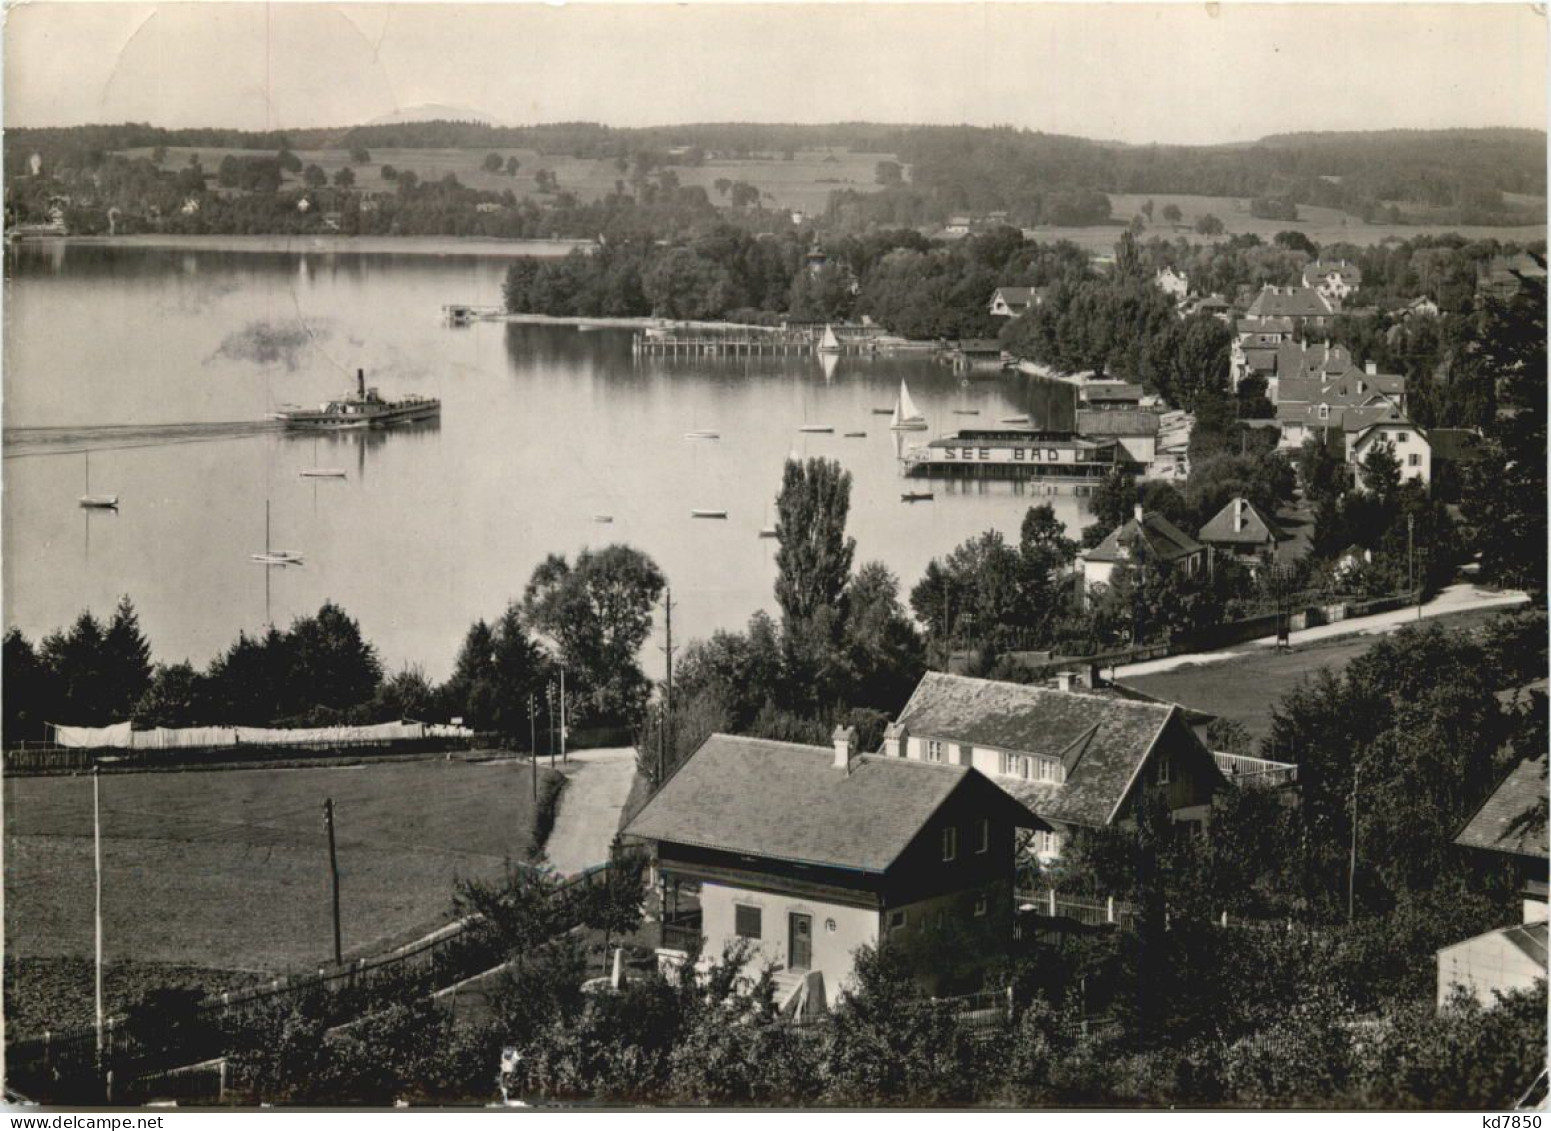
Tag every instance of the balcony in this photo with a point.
(681, 931)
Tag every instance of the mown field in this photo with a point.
(227, 870)
(805, 182)
(1248, 686)
(1322, 225)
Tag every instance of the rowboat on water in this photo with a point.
(1015, 420)
(604, 518)
(323, 473)
(915, 497)
(703, 434)
(855, 435)
(826, 428)
(966, 412)
(883, 412)
(278, 558)
(768, 532)
(707, 514)
(907, 418)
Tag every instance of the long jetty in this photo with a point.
(786, 341)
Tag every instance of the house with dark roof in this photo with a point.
(1110, 394)
(1075, 758)
(1009, 302)
(1333, 278)
(1241, 532)
(803, 854)
(1145, 537)
(1509, 829)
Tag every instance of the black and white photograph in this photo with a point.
(831, 556)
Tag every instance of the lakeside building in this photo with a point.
(1014, 453)
(1134, 430)
(1077, 759)
(1109, 394)
(804, 854)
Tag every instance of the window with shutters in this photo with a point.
(747, 921)
(933, 750)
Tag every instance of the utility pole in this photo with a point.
(1351, 869)
(533, 753)
(562, 713)
(549, 720)
(328, 823)
(97, 857)
(667, 701)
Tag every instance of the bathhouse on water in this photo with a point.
(1015, 453)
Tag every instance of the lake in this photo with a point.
(151, 370)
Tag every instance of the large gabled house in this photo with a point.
(1304, 307)
(803, 854)
(1508, 829)
(1368, 428)
(1076, 759)
(1333, 278)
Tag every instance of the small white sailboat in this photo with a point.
(907, 418)
(96, 502)
(271, 556)
(829, 343)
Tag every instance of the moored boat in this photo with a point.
(915, 497)
(367, 408)
(707, 514)
(323, 473)
(824, 428)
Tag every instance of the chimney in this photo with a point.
(360, 383)
(844, 739)
(1372, 368)
(1139, 514)
(1064, 680)
(895, 738)
(1238, 515)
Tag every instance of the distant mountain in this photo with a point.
(434, 112)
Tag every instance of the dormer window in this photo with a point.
(1324, 412)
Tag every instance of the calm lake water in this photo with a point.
(543, 429)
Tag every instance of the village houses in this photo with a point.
(1368, 428)
(805, 854)
(1239, 531)
(1077, 759)
(1175, 284)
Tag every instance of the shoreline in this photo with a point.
(483, 247)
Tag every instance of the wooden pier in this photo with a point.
(773, 343)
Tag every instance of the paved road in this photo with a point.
(590, 807)
(1454, 599)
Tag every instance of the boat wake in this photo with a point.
(106, 437)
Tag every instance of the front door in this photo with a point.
(801, 942)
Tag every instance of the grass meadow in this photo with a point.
(226, 871)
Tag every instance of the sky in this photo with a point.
(1172, 73)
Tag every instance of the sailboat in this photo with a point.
(273, 557)
(829, 343)
(96, 502)
(907, 418)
